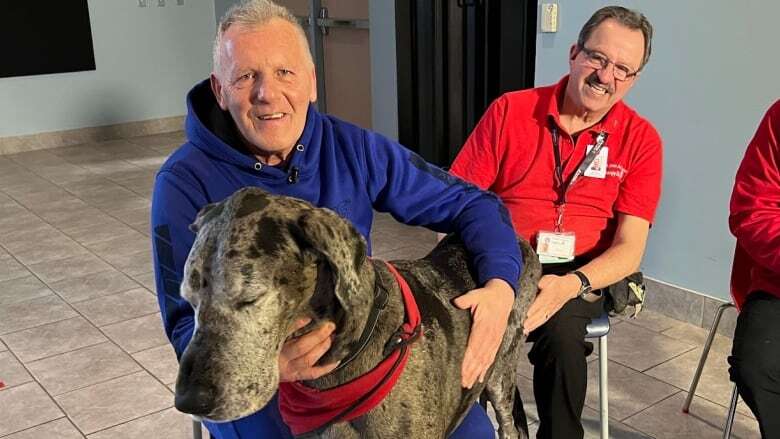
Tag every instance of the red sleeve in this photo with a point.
(755, 201)
(641, 188)
(479, 160)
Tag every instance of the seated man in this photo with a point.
(253, 124)
(580, 172)
(755, 221)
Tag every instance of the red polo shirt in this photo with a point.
(755, 213)
(510, 152)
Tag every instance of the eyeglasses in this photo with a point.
(599, 61)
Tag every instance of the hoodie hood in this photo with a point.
(212, 130)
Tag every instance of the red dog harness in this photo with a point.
(305, 409)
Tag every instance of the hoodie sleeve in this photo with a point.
(755, 200)
(418, 193)
(174, 207)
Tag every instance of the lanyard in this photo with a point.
(563, 187)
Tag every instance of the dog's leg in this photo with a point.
(505, 399)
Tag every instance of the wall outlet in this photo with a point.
(141, 3)
(549, 20)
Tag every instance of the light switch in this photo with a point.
(549, 17)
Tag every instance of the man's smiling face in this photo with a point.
(266, 81)
(594, 90)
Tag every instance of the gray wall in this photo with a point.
(147, 59)
(712, 74)
(384, 87)
(221, 6)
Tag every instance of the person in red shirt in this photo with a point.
(755, 282)
(580, 172)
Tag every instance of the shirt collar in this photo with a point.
(609, 123)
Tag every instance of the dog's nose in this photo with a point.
(195, 400)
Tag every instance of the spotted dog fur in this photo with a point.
(261, 261)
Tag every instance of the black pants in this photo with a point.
(560, 368)
(755, 360)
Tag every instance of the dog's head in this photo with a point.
(260, 262)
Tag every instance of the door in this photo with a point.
(338, 32)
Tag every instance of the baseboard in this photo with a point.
(687, 305)
(54, 139)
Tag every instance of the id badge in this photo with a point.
(555, 247)
(598, 167)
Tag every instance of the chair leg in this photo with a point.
(704, 353)
(603, 388)
(197, 433)
(732, 411)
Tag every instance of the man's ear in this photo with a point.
(573, 51)
(313, 94)
(216, 88)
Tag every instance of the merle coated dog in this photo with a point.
(262, 261)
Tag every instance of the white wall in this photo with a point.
(713, 73)
(146, 58)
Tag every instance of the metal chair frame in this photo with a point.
(599, 328)
(705, 352)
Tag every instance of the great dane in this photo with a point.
(261, 261)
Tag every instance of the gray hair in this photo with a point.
(629, 18)
(252, 13)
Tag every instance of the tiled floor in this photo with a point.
(82, 351)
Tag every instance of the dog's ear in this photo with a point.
(342, 248)
(206, 214)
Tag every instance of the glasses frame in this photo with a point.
(590, 61)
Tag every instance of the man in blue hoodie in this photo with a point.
(253, 124)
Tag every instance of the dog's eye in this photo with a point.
(245, 303)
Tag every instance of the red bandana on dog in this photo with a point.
(305, 409)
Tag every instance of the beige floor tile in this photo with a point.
(695, 335)
(19, 240)
(69, 268)
(640, 348)
(629, 391)
(34, 312)
(126, 244)
(50, 250)
(12, 373)
(22, 289)
(714, 383)
(15, 220)
(137, 334)
(25, 406)
(59, 429)
(146, 280)
(91, 234)
(10, 268)
(160, 362)
(93, 285)
(81, 368)
(91, 216)
(113, 402)
(118, 307)
(131, 264)
(404, 253)
(169, 424)
(3, 347)
(54, 338)
(654, 321)
(591, 423)
(705, 420)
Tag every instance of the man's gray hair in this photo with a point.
(252, 13)
(631, 19)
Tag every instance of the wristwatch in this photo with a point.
(586, 291)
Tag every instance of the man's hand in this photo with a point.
(490, 307)
(298, 356)
(554, 292)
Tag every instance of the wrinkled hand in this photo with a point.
(554, 292)
(300, 354)
(490, 307)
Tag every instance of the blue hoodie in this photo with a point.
(335, 165)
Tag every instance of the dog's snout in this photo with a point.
(191, 396)
(195, 400)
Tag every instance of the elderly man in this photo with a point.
(253, 124)
(755, 280)
(589, 168)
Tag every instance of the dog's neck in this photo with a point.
(347, 336)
